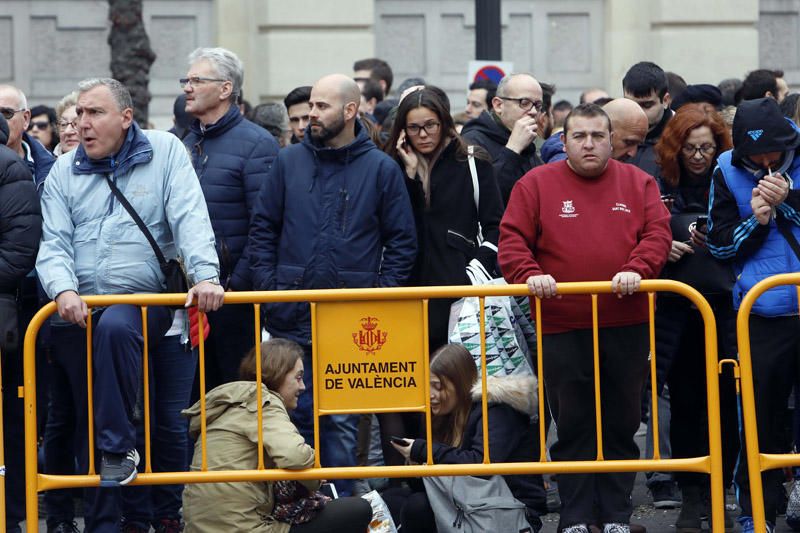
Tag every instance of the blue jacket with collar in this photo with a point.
(329, 218)
(91, 245)
(232, 158)
(42, 161)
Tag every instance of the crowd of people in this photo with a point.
(347, 183)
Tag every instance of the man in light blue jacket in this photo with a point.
(91, 245)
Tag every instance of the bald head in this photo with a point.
(13, 101)
(334, 107)
(629, 127)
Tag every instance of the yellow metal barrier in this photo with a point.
(709, 464)
(757, 462)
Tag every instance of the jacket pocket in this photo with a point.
(283, 315)
(357, 279)
(461, 243)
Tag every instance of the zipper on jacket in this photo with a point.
(465, 239)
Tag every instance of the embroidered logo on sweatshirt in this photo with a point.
(567, 209)
(755, 134)
(619, 206)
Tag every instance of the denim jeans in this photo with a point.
(338, 433)
(172, 370)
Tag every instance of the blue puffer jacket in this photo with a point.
(775, 256)
(232, 158)
(329, 218)
(42, 161)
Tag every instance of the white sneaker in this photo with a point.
(577, 528)
(616, 528)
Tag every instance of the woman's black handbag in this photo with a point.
(700, 269)
(173, 269)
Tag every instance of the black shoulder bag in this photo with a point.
(173, 270)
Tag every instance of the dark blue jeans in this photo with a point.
(172, 372)
(117, 367)
(338, 433)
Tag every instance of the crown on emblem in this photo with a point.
(369, 323)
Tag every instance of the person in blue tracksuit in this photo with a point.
(754, 214)
(332, 213)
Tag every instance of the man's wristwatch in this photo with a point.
(213, 281)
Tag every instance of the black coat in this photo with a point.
(486, 131)
(447, 229)
(20, 221)
(512, 436)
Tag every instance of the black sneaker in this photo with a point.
(64, 527)
(118, 468)
(665, 495)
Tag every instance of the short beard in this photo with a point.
(329, 132)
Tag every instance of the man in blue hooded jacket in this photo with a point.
(333, 213)
(91, 245)
(754, 217)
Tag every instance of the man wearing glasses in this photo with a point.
(508, 131)
(14, 108)
(231, 157)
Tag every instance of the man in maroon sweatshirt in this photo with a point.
(589, 218)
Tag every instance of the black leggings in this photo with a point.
(343, 515)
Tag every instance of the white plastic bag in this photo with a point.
(381, 517)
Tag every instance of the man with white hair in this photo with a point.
(14, 108)
(231, 156)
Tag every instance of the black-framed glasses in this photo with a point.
(705, 149)
(430, 128)
(195, 81)
(8, 113)
(64, 124)
(526, 104)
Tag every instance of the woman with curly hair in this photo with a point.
(687, 154)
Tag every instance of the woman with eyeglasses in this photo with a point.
(67, 121)
(435, 158)
(687, 154)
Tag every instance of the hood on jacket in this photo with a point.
(3, 130)
(489, 125)
(220, 399)
(135, 149)
(552, 149)
(760, 127)
(518, 392)
(359, 145)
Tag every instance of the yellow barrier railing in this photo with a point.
(757, 462)
(709, 464)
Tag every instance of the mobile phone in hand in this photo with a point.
(400, 441)
(702, 224)
(329, 490)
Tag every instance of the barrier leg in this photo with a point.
(31, 466)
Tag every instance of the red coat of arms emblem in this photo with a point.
(370, 339)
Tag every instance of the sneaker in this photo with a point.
(118, 468)
(64, 527)
(665, 495)
(169, 525)
(748, 526)
(793, 507)
(577, 528)
(616, 528)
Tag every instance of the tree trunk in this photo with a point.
(131, 55)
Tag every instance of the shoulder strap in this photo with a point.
(476, 189)
(136, 218)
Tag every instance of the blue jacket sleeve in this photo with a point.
(265, 229)
(398, 233)
(256, 169)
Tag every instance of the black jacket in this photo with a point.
(20, 221)
(645, 157)
(512, 435)
(487, 131)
